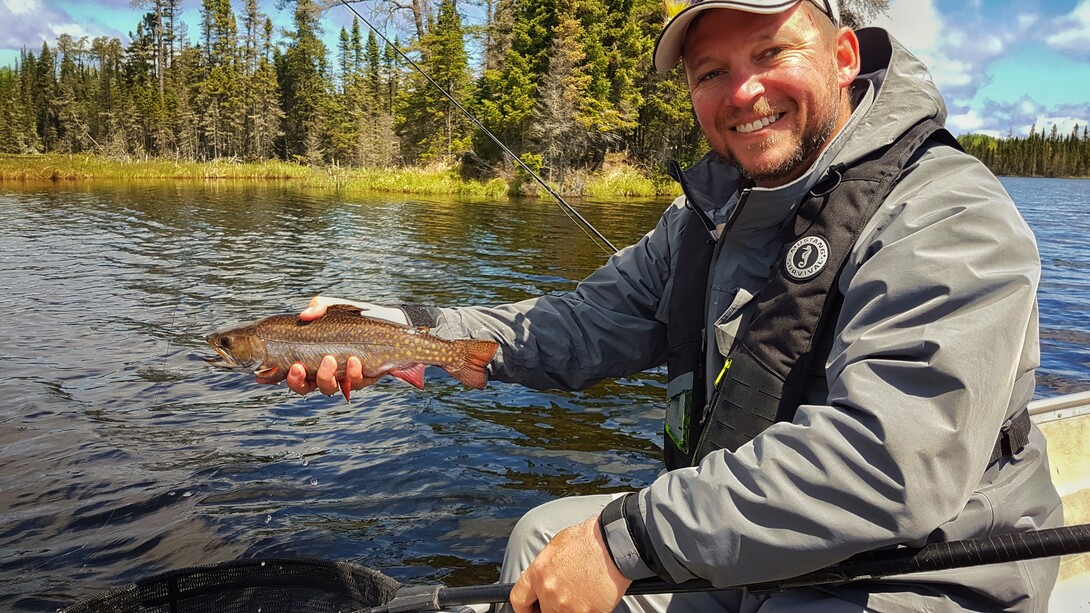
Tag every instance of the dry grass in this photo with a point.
(619, 180)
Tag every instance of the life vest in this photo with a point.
(767, 369)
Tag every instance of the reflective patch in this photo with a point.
(679, 400)
(806, 258)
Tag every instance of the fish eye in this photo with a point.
(225, 342)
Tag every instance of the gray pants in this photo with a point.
(535, 529)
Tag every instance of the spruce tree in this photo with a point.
(430, 126)
(303, 85)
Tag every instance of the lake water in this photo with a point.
(122, 454)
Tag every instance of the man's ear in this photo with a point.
(847, 57)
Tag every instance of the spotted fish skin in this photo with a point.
(270, 346)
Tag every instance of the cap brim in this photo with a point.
(672, 38)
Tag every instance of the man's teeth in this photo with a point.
(746, 128)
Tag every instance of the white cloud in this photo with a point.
(1026, 21)
(946, 51)
(1064, 125)
(949, 73)
(965, 122)
(29, 23)
(915, 23)
(21, 7)
(1073, 30)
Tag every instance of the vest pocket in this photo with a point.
(679, 401)
(728, 324)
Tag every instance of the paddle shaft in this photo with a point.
(869, 565)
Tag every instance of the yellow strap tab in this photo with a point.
(726, 367)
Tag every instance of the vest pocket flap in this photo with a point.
(728, 324)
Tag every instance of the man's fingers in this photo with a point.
(523, 599)
(315, 309)
(353, 371)
(297, 380)
(326, 377)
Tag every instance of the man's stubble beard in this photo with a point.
(810, 142)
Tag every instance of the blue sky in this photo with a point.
(1002, 65)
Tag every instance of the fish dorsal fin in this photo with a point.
(347, 309)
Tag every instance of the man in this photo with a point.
(846, 305)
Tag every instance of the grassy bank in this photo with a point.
(617, 181)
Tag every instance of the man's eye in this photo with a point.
(711, 75)
(772, 52)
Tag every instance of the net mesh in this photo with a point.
(250, 586)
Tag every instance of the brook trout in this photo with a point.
(270, 346)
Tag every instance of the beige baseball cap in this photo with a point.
(668, 46)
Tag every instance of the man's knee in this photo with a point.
(540, 524)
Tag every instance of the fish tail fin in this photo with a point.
(476, 356)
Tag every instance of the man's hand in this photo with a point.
(325, 379)
(573, 574)
(319, 304)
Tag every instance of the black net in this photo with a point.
(250, 586)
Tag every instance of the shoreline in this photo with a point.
(619, 180)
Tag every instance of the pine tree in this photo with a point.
(18, 134)
(378, 142)
(560, 121)
(42, 93)
(507, 97)
(267, 114)
(73, 130)
(302, 78)
(665, 127)
(219, 93)
(430, 126)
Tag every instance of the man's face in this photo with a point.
(769, 91)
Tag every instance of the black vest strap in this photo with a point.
(685, 337)
(772, 359)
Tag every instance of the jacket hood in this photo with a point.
(902, 92)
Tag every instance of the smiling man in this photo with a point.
(846, 305)
(769, 91)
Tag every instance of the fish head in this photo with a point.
(236, 349)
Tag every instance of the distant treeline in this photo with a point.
(565, 84)
(1038, 155)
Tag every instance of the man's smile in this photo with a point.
(752, 126)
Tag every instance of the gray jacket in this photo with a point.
(935, 346)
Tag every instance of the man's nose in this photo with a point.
(745, 89)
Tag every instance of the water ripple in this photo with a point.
(123, 454)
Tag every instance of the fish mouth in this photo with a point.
(223, 359)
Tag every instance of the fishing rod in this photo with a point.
(869, 565)
(572, 214)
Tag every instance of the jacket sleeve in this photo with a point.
(935, 340)
(608, 326)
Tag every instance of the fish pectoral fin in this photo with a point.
(346, 388)
(267, 373)
(414, 375)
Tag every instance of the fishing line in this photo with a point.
(572, 214)
(121, 503)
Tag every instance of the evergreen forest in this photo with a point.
(563, 83)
